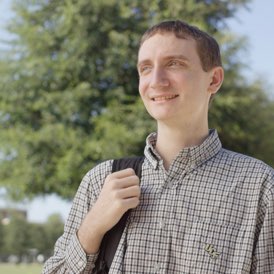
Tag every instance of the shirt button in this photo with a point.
(80, 263)
(161, 224)
(157, 268)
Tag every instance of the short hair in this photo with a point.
(207, 47)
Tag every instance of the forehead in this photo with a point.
(161, 45)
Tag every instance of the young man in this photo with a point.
(198, 208)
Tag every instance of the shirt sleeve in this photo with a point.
(263, 253)
(69, 256)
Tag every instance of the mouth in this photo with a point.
(164, 98)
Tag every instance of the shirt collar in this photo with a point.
(188, 158)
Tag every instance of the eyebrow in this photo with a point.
(179, 56)
(170, 57)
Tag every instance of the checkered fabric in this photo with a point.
(211, 212)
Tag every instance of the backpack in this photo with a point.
(112, 238)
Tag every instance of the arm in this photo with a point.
(120, 193)
(96, 208)
(263, 254)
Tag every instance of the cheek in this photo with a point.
(142, 87)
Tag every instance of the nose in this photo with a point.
(159, 78)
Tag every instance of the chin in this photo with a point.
(162, 117)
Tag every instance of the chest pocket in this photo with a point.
(214, 248)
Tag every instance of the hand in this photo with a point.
(120, 192)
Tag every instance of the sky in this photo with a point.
(256, 23)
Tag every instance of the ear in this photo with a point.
(216, 80)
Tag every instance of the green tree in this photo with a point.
(17, 236)
(53, 228)
(69, 96)
(38, 238)
(44, 235)
(2, 236)
(242, 110)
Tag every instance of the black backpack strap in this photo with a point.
(112, 238)
(132, 162)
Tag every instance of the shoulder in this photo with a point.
(246, 166)
(101, 170)
(95, 177)
(242, 159)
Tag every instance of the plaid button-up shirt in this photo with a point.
(211, 212)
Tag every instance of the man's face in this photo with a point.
(173, 85)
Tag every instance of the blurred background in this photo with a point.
(69, 99)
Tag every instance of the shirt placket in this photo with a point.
(167, 198)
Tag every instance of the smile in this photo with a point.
(164, 98)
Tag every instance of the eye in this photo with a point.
(144, 69)
(174, 63)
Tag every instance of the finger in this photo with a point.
(131, 202)
(126, 182)
(125, 193)
(122, 173)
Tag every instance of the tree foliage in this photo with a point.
(69, 96)
(16, 236)
(1, 237)
(19, 237)
(54, 228)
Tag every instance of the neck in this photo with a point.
(171, 140)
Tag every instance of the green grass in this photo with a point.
(20, 269)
